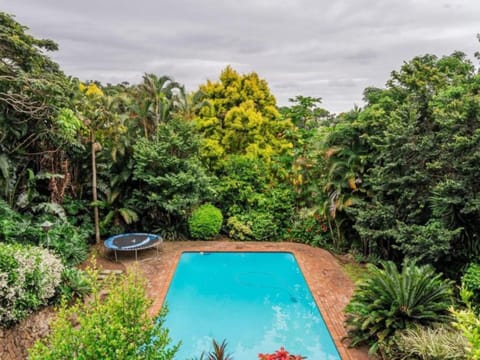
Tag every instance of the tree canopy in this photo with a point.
(241, 118)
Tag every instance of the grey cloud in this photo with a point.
(316, 48)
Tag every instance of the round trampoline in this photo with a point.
(133, 242)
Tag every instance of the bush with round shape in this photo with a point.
(389, 301)
(205, 222)
(29, 277)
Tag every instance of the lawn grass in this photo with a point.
(355, 271)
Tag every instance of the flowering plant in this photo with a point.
(29, 277)
(281, 354)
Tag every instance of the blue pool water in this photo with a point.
(258, 302)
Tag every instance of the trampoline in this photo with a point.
(133, 242)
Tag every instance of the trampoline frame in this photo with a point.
(151, 240)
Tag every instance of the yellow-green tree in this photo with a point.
(241, 119)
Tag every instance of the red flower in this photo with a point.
(281, 354)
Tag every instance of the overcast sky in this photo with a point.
(330, 49)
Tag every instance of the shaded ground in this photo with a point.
(330, 285)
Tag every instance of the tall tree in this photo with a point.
(104, 123)
(32, 92)
(154, 101)
(422, 135)
(242, 119)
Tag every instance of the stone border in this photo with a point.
(330, 286)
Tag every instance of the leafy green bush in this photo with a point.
(467, 321)
(253, 225)
(17, 227)
(310, 228)
(257, 205)
(390, 300)
(113, 324)
(75, 284)
(79, 214)
(428, 343)
(471, 282)
(238, 229)
(29, 277)
(205, 222)
(69, 242)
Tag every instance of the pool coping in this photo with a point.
(330, 286)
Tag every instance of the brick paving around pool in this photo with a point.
(329, 284)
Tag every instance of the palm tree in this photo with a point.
(117, 213)
(187, 105)
(341, 187)
(158, 93)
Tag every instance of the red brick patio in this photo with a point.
(330, 286)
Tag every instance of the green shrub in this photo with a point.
(390, 300)
(259, 206)
(239, 230)
(428, 343)
(29, 277)
(113, 324)
(471, 282)
(75, 284)
(205, 222)
(467, 321)
(69, 242)
(254, 225)
(310, 228)
(17, 227)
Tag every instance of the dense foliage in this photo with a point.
(205, 222)
(113, 324)
(406, 164)
(68, 241)
(471, 283)
(396, 179)
(389, 301)
(29, 277)
(241, 118)
(169, 175)
(467, 319)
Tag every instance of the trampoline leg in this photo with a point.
(136, 255)
(116, 256)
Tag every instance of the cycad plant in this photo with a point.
(390, 300)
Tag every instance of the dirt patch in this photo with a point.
(15, 341)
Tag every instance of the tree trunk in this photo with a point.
(96, 216)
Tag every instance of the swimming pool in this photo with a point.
(258, 302)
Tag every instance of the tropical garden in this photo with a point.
(395, 184)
